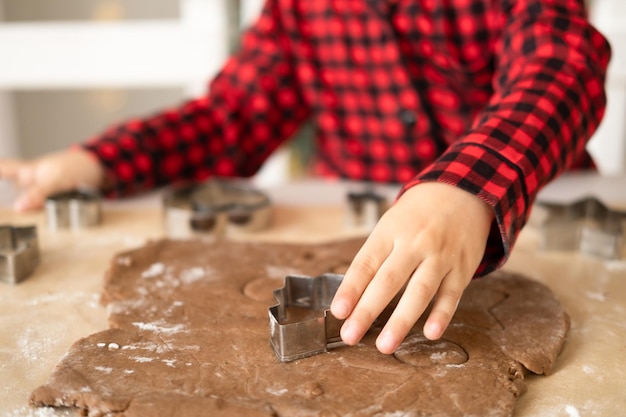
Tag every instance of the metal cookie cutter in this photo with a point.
(19, 253)
(215, 207)
(365, 208)
(301, 324)
(75, 209)
(586, 225)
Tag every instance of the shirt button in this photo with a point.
(408, 118)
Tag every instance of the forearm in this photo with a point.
(548, 100)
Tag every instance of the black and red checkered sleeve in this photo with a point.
(549, 98)
(251, 107)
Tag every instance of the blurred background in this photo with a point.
(69, 68)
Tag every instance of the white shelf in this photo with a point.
(155, 53)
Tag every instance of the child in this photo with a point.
(473, 105)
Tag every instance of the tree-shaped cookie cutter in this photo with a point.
(586, 225)
(215, 207)
(301, 324)
(19, 253)
(75, 209)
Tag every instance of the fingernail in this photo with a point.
(386, 342)
(433, 331)
(340, 309)
(350, 334)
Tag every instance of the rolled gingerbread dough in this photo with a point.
(189, 335)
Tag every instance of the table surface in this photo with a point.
(59, 304)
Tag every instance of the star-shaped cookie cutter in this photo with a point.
(586, 225)
(19, 253)
(215, 207)
(301, 324)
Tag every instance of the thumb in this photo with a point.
(32, 198)
(10, 169)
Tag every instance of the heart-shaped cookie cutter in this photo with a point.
(215, 207)
(19, 252)
(301, 324)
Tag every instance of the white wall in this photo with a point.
(36, 118)
(71, 67)
(8, 144)
(608, 145)
(8, 133)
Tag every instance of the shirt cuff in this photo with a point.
(487, 174)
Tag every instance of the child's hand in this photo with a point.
(50, 174)
(432, 239)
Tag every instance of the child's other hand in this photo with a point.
(431, 240)
(50, 174)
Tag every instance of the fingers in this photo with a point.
(10, 169)
(445, 305)
(424, 242)
(23, 175)
(32, 199)
(361, 271)
(51, 174)
(419, 291)
(375, 276)
(383, 287)
(431, 279)
(368, 289)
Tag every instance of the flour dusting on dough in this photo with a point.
(125, 261)
(40, 412)
(104, 369)
(189, 276)
(146, 346)
(142, 359)
(160, 327)
(277, 392)
(192, 348)
(123, 306)
(156, 269)
(169, 362)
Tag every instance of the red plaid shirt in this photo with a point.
(494, 96)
